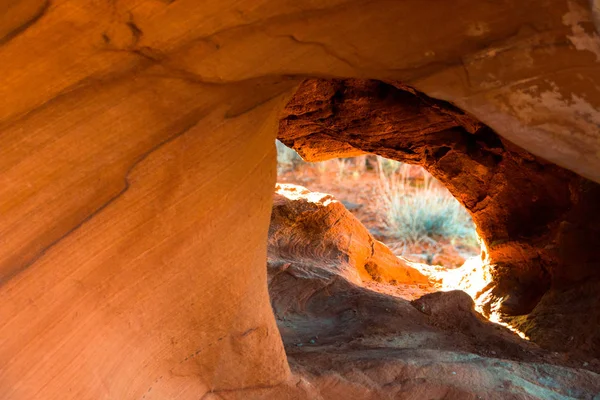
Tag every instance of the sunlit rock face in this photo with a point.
(537, 220)
(314, 228)
(115, 226)
(137, 165)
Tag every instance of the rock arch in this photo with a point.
(137, 148)
(535, 218)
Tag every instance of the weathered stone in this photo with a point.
(314, 228)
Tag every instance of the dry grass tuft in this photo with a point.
(418, 210)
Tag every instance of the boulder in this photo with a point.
(314, 228)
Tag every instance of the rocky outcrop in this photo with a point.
(318, 282)
(344, 340)
(315, 229)
(137, 164)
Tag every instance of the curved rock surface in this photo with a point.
(137, 164)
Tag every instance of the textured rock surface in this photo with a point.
(113, 248)
(137, 164)
(345, 341)
(536, 219)
(314, 228)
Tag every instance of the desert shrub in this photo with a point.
(418, 209)
(343, 167)
(387, 166)
(287, 158)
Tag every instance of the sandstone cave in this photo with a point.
(139, 204)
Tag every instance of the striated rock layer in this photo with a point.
(137, 164)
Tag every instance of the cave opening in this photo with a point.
(534, 219)
(401, 205)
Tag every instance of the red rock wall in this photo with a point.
(118, 246)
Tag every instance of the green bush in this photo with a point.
(421, 211)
